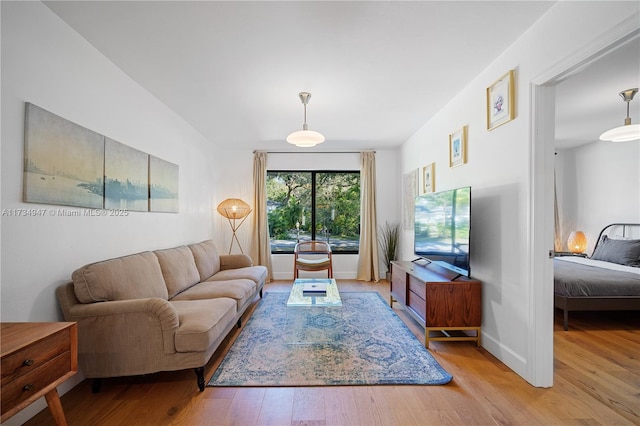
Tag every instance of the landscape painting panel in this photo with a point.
(64, 162)
(126, 171)
(163, 185)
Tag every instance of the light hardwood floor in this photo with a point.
(596, 382)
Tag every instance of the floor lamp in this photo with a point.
(234, 209)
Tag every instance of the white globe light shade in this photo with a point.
(305, 138)
(630, 132)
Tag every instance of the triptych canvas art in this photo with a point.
(67, 164)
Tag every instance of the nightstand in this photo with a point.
(568, 253)
(36, 358)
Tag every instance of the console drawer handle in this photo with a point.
(28, 388)
(28, 362)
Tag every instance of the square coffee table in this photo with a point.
(313, 319)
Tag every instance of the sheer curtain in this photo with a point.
(368, 269)
(557, 243)
(260, 246)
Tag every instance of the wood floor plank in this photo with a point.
(277, 407)
(308, 404)
(596, 382)
(340, 406)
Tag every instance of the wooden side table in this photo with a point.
(36, 358)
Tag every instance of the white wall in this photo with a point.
(598, 184)
(47, 63)
(236, 174)
(499, 170)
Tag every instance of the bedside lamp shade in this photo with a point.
(577, 242)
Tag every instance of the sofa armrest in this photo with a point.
(157, 309)
(234, 261)
(121, 338)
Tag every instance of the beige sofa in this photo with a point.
(158, 311)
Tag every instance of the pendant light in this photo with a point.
(305, 138)
(628, 132)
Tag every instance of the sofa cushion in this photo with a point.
(206, 257)
(178, 268)
(257, 274)
(242, 291)
(202, 322)
(137, 276)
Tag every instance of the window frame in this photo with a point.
(314, 173)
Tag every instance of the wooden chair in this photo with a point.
(312, 256)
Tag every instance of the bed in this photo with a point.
(607, 281)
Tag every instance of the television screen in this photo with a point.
(442, 228)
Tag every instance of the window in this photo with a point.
(316, 205)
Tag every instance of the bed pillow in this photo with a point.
(622, 252)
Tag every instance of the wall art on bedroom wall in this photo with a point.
(163, 185)
(501, 101)
(126, 177)
(410, 191)
(63, 162)
(458, 147)
(428, 178)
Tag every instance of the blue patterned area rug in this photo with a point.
(368, 345)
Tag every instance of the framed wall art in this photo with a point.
(163, 185)
(429, 178)
(458, 147)
(410, 190)
(63, 162)
(126, 174)
(501, 101)
(67, 164)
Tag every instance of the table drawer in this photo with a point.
(418, 305)
(34, 356)
(418, 287)
(34, 381)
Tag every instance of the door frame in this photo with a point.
(541, 189)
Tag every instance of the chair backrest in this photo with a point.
(310, 247)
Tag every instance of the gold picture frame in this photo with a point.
(429, 178)
(501, 101)
(458, 147)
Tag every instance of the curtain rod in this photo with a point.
(315, 152)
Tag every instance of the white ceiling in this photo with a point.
(588, 103)
(377, 70)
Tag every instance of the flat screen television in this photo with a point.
(443, 228)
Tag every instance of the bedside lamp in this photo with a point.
(577, 242)
(234, 209)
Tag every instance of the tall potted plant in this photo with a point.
(388, 239)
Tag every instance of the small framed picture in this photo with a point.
(429, 178)
(501, 101)
(458, 147)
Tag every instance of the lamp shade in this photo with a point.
(630, 132)
(234, 208)
(577, 242)
(305, 138)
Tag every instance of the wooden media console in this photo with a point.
(445, 303)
